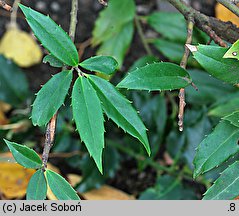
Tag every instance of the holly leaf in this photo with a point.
(226, 186)
(157, 76)
(120, 110)
(102, 64)
(24, 155)
(216, 148)
(211, 59)
(88, 116)
(52, 36)
(60, 187)
(50, 98)
(37, 186)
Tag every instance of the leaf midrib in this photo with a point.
(226, 187)
(35, 162)
(88, 119)
(202, 166)
(47, 103)
(121, 115)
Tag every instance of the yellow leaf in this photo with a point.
(107, 193)
(74, 179)
(224, 14)
(14, 180)
(20, 47)
(5, 107)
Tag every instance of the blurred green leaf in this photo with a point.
(210, 89)
(88, 116)
(173, 51)
(216, 148)
(24, 155)
(60, 187)
(170, 25)
(225, 106)
(168, 188)
(143, 61)
(112, 19)
(51, 97)
(117, 45)
(91, 176)
(13, 82)
(37, 186)
(156, 76)
(153, 111)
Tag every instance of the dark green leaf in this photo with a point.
(216, 148)
(118, 44)
(170, 25)
(233, 118)
(50, 98)
(52, 36)
(153, 111)
(195, 135)
(53, 61)
(167, 188)
(91, 177)
(173, 51)
(210, 89)
(143, 61)
(24, 155)
(88, 116)
(13, 82)
(211, 59)
(226, 186)
(37, 186)
(157, 76)
(119, 109)
(111, 20)
(60, 187)
(102, 64)
(225, 106)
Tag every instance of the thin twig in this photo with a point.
(73, 22)
(5, 6)
(13, 22)
(183, 64)
(142, 37)
(82, 46)
(103, 2)
(51, 126)
(225, 30)
(64, 155)
(214, 36)
(50, 134)
(230, 6)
